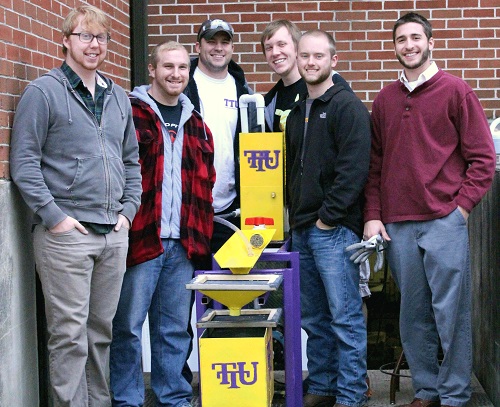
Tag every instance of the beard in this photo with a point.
(213, 67)
(426, 53)
(323, 76)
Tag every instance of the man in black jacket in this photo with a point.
(328, 148)
(215, 86)
(279, 42)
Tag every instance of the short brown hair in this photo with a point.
(413, 18)
(320, 33)
(274, 26)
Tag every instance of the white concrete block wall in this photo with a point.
(18, 338)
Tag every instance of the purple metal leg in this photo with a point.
(292, 336)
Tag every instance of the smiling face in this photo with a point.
(315, 60)
(280, 52)
(215, 54)
(413, 48)
(85, 57)
(170, 76)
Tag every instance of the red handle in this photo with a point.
(259, 221)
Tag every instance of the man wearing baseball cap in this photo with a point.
(211, 27)
(215, 86)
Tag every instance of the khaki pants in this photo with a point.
(81, 278)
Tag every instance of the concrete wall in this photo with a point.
(18, 339)
(484, 224)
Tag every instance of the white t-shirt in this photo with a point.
(219, 108)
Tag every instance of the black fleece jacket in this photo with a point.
(271, 96)
(326, 173)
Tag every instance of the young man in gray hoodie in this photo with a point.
(74, 157)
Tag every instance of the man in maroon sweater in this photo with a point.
(432, 160)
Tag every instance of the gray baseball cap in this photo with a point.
(211, 27)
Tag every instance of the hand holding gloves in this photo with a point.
(366, 248)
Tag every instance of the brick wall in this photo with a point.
(30, 45)
(467, 34)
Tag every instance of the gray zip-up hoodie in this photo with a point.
(65, 163)
(172, 160)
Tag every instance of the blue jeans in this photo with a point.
(158, 287)
(332, 314)
(430, 263)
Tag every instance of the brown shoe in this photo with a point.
(422, 403)
(315, 400)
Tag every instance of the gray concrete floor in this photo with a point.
(380, 384)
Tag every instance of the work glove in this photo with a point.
(366, 248)
(364, 279)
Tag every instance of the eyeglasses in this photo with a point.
(87, 38)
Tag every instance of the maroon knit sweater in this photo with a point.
(431, 151)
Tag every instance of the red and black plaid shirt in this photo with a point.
(198, 177)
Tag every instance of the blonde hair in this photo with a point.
(92, 17)
(165, 46)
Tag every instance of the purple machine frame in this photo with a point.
(291, 313)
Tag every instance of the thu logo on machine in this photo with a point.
(261, 179)
(236, 367)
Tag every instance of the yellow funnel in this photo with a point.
(233, 300)
(240, 257)
(235, 291)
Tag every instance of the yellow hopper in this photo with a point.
(242, 250)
